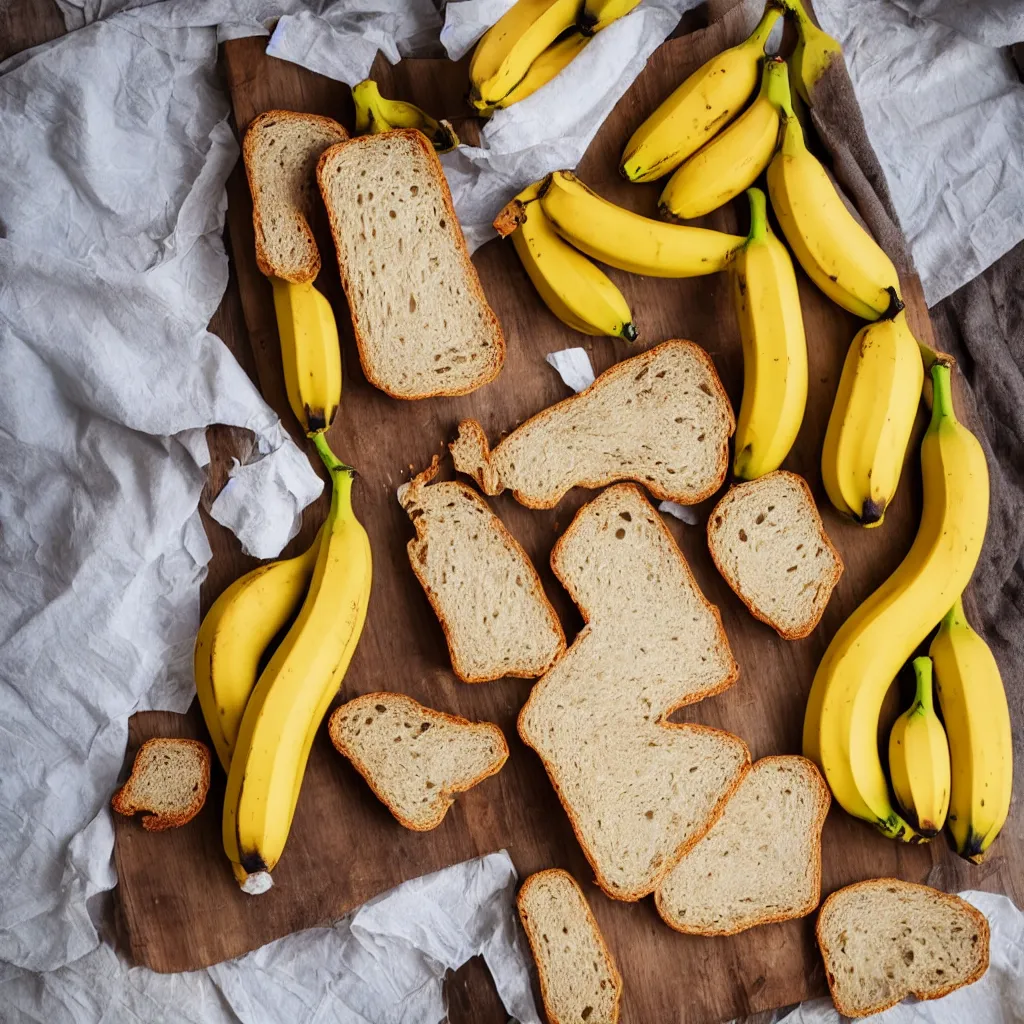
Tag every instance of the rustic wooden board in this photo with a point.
(179, 904)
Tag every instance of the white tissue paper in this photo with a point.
(573, 366)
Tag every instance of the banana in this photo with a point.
(872, 419)
(626, 240)
(295, 690)
(310, 353)
(815, 50)
(508, 48)
(731, 162)
(973, 702)
(550, 63)
(375, 114)
(841, 722)
(774, 348)
(704, 104)
(599, 14)
(919, 758)
(236, 631)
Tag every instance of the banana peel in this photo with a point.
(376, 114)
(814, 53)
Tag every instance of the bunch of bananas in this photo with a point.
(375, 114)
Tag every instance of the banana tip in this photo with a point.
(872, 513)
(257, 883)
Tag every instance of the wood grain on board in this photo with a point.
(180, 906)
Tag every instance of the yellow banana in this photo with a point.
(375, 114)
(774, 348)
(973, 702)
(508, 48)
(919, 758)
(872, 419)
(550, 63)
(841, 722)
(732, 160)
(599, 14)
(626, 240)
(815, 50)
(576, 291)
(236, 631)
(310, 353)
(702, 106)
(839, 256)
(295, 690)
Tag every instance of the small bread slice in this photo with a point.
(885, 939)
(415, 759)
(170, 779)
(482, 585)
(768, 542)
(761, 861)
(280, 152)
(579, 981)
(639, 790)
(661, 418)
(421, 319)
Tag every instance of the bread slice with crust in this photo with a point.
(280, 151)
(421, 319)
(661, 418)
(415, 759)
(885, 939)
(760, 862)
(482, 585)
(579, 982)
(639, 790)
(170, 778)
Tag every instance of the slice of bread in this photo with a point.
(484, 589)
(170, 779)
(415, 759)
(761, 861)
(885, 939)
(661, 418)
(639, 790)
(769, 544)
(579, 982)
(280, 152)
(421, 319)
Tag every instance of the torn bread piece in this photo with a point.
(170, 779)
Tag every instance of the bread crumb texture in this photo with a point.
(170, 779)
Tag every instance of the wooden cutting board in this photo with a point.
(179, 903)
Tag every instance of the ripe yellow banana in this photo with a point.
(550, 63)
(702, 106)
(732, 160)
(576, 291)
(310, 353)
(599, 14)
(814, 51)
(919, 758)
(774, 348)
(839, 256)
(841, 723)
(375, 114)
(974, 707)
(236, 631)
(872, 419)
(626, 240)
(295, 690)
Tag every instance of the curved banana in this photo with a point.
(815, 50)
(919, 758)
(626, 240)
(310, 353)
(375, 114)
(704, 104)
(841, 723)
(576, 291)
(295, 690)
(236, 631)
(732, 160)
(872, 419)
(839, 256)
(973, 702)
(774, 348)
(550, 63)
(599, 14)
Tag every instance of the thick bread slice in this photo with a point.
(661, 418)
(769, 544)
(579, 981)
(421, 319)
(170, 779)
(280, 152)
(482, 585)
(415, 759)
(761, 861)
(638, 790)
(885, 939)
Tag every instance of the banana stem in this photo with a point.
(758, 215)
(923, 674)
(330, 460)
(956, 616)
(772, 11)
(775, 82)
(942, 395)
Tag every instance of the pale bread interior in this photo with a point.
(169, 778)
